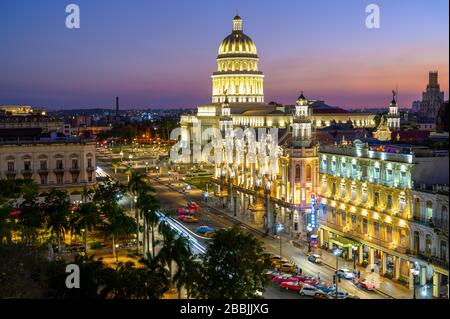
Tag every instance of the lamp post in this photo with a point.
(121, 156)
(146, 167)
(337, 253)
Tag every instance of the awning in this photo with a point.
(344, 242)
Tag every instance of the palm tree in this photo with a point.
(149, 207)
(174, 248)
(115, 164)
(86, 194)
(88, 217)
(137, 183)
(128, 171)
(187, 274)
(56, 207)
(118, 225)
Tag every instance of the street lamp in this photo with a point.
(337, 253)
(146, 167)
(121, 156)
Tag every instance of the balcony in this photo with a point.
(59, 169)
(90, 168)
(43, 170)
(74, 169)
(10, 172)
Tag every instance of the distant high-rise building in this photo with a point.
(432, 98)
(415, 107)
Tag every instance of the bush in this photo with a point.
(389, 274)
(96, 245)
(403, 279)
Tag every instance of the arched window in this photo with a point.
(444, 217)
(308, 172)
(297, 171)
(417, 208)
(428, 244)
(429, 211)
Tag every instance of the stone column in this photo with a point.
(397, 261)
(360, 254)
(383, 262)
(436, 284)
(423, 276)
(371, 255)
(321, 237)
(350, 253)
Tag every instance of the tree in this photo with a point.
(128, 171)
(117, 225)
(175, 248)
(137, 183)
(86, 194)
(6, 225)
(88, 218)
(108, 193)
(56, 207)
(148, 206)
(188, 274)
(115, 164)
(233, 266)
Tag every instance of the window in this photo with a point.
(333, 190)
(75, 178)
(27, 166)
(365, 226)
(324, 163)
(443, 250)
(376, 229)
(354, 170)
(417, 208)
(389, 175)
(324, 185)
(43, 164)
(44, 179)
(343, 168)
(376, 197)
(59, 164)
(429, 210)
(333, 166)
(354, 221)
(389, 201)
(364, 194)
(377, 173)
(90, 162)
(344, 218)
(59, 179)
(428, 244)
(74, 163)
(10, 166)
(402, 203)
(90, 177)
(308, 172)
(353, 192)
(444, 217)
(403, 178)
(389, 233)
(297, 172)
(342, 190)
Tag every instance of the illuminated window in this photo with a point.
(364, 194)
(402, 204)
(308, 172)
(389, 201)
(297, 171)
(376, 197)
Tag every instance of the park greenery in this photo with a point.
(35, 228)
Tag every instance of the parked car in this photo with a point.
(287, 267)
(340, 294)
(187, 218)
(291, 285)
(308, 290)
(321, 295)
(304, 278)
(284, 277)
(276, 259)
(271, 273)
(184, 211)
(364, 284)
(345, 273)
(317, 259)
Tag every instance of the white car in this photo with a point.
(343, 272)
(308, 290)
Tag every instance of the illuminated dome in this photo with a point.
(238, 77)
(237, 43)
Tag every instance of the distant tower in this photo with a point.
(117, 107)
(432, 98)
(393, 117)
(301, 124)
(226, 121)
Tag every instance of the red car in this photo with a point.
(194, 205)
(367, 285)
(304, 278)
(284, 278)
(291, 285)
(184, 211)
(312, 282)
(270, 274)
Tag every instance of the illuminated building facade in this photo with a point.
(366, 198)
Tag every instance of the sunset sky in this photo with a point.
(162, 53)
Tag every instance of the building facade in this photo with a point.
(68, 163)
(432, 98)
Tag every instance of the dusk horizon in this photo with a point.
(162, 55)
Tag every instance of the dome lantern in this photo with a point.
(237, 23)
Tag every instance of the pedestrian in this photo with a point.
(318, 275)
(359, 274)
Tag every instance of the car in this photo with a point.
(187, 218)
(340, 294)
(317, 259)
(276, 259)
(326, 288)
(194, 205)
(272, 273)
(278, 263)
(284, 277)
(304, 278)
(367, 285)
(209, 234)
(184, 211)
(345, 273)
(308, 290)
(287, 267)
(291, 285)
(321, 295)
(204, 229)
(312, 282)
